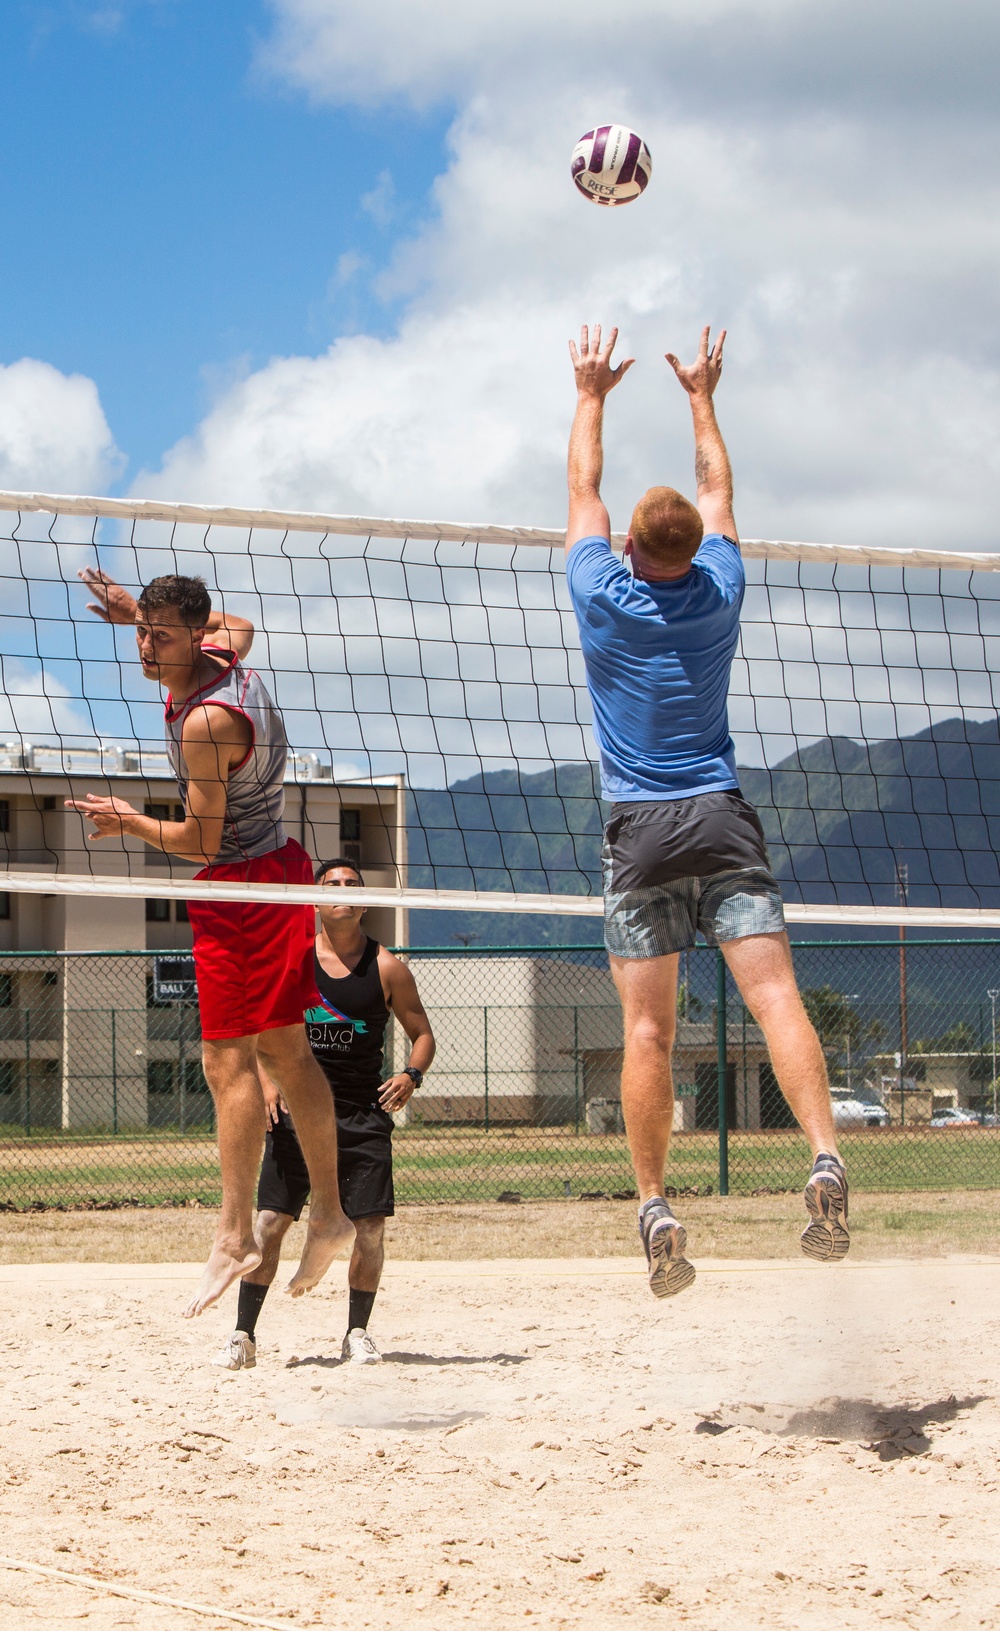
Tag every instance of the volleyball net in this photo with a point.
(433, 693)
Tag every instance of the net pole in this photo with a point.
(722, 1054)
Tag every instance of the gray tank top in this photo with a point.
(255, 792)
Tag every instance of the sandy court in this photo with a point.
(544, 1442)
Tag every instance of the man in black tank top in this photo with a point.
(359, 983)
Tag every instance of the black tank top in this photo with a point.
(347, 1031)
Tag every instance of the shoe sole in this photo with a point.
(669, 1270)
(826, 1238)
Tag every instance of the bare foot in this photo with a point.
(325, 1238)
(222, 1268)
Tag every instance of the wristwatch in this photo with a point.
(416, 1076)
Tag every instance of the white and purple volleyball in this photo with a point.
(611, 165)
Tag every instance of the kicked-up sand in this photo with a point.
(784, 1444)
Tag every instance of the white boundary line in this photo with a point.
(96, 1584)
(108, 886)
(470, 532)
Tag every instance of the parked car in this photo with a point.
(851, 1112)
(954, 1116)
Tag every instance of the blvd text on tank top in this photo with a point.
(255, 791)
(347, 1030)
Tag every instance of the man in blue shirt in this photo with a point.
(683, 850)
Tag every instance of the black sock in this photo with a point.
(251, 1303)
(360, 1310)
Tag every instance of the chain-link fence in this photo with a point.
(103, 1101)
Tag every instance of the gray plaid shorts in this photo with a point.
(674, 867)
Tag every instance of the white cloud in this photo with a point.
(839, 218)
(53, 433)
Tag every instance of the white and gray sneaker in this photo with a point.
(359, 1349)
(665, 1242)
(240, 1353)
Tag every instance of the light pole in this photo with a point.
(993, 995)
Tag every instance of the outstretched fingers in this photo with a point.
(715, 355)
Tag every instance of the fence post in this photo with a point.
(114, 1070)
(486, 1069)
(27, 1070)
(723, 1070)
(181, 1070)
(576, 1069)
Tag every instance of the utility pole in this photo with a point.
(902, 890)
(852, 997)
(993, 995)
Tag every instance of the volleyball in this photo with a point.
(611, 165)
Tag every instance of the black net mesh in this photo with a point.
(863, 704)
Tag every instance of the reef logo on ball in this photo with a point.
(611, 165)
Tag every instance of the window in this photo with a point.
(181, 911)
(160, 1076)
(48, 802)
(164, 812)
(8, 1078)
(350, 835)
(6, 990)
(4, 815)
(4, 903)
(157, 911)
(50, 977)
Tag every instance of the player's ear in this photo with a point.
(629, 545)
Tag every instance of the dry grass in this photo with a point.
(921, 1225)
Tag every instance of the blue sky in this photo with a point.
(197, 302)
(175, 216)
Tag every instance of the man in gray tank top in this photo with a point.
(254, 961)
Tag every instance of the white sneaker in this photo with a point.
(238, 1354)
(359, 1349)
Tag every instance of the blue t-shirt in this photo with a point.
(658, 657)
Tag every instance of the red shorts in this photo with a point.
(254, 961)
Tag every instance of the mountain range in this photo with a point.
(840, 817)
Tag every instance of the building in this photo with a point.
(84, 1040)
(933, 1082)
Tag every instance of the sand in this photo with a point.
(544, 1443)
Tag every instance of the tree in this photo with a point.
(837, 1020)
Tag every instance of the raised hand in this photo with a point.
(113, 603)
(592, 363)
(702, 376)
(109, 815)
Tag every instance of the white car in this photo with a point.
(851, 1112)
(954, 1116)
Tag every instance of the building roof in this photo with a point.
(113, 759)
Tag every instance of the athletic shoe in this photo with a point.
(240, 1353)
(359, 1349)
(664, 1240)
(826, 1237)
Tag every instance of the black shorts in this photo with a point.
(666, 839)
(364, 1164)
(673, 867)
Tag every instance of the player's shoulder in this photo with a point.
(592, 565)
(719, 558)
(389, 963)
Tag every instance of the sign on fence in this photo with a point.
(174, 979)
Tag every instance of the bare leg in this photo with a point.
(231, 1073)
(762, 967)
(368, 1256)
(288, 1060)
(270, 1230)
(648, 991)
